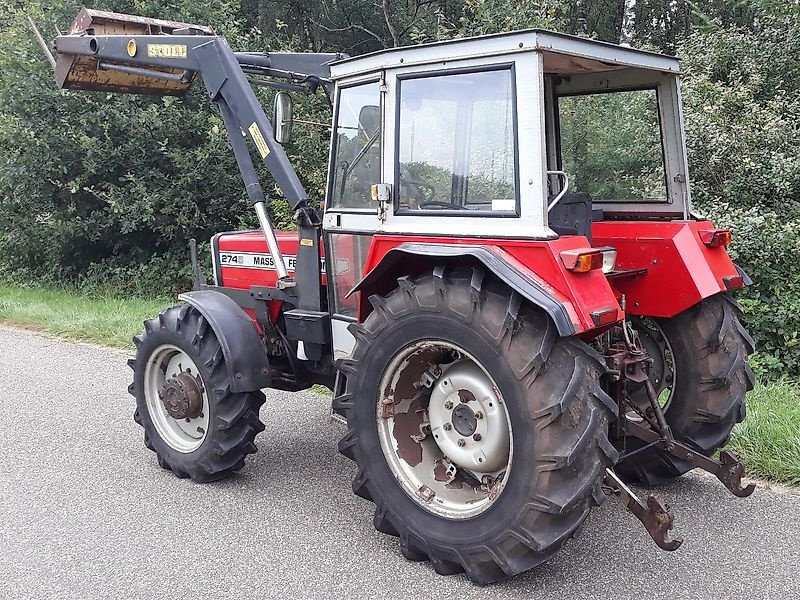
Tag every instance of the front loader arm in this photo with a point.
(212, 58)
(106, 51)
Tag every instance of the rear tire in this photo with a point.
(558, 416)
(712, 376)
(229, 421)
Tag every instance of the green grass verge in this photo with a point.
(98, 318)
(768, 440)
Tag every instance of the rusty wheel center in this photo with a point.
(182, 396)
(444, 429)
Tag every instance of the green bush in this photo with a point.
(743, 129)
(110, 187)
(104, 190)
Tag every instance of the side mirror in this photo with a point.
(282, 117)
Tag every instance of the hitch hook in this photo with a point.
(654, 515)
(730, 473)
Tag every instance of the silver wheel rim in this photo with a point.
(663, 370)
(444, 429)
(183, 435)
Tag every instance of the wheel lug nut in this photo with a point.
(479, 415)
(477, 437)
(448, 405)
(461, 443)
(447, 426)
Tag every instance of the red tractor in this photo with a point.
(507, 292)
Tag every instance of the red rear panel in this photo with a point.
(680, 269)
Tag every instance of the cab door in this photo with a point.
(351, 216)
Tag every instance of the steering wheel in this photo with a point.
(442, 205)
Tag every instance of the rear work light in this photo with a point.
(582, 260)
(716, 238)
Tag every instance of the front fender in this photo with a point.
(245, 357)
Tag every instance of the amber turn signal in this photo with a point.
(716, 238)
(582, 260)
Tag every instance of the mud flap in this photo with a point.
(245, 357)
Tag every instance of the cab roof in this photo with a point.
(562, 54)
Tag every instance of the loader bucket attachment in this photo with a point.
(87, 73)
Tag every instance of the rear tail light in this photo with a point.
(716, 238)
(582, 260)
(733, 282)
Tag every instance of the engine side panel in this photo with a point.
(242, 260)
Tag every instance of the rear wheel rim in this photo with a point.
(187, 434)
(461, 458)
(663, 370)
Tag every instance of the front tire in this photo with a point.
(557, 416)
(705, 398)
(196, 426)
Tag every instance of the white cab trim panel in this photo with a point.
(497, 45)
(532, 220)
(343, 340)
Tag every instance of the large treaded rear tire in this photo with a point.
(710, 348)
(558, 412)
(233, 420)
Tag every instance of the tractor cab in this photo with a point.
(526, 135)
(508, 140)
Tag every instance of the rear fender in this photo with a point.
(245, 357)
(411, 258)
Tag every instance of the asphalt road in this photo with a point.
(85, 512)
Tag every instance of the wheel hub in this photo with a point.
(662, 368)
(444, 429)
(464, 421)
(182, 396)
(468, 419)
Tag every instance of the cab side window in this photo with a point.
(357, 147)
(456, 143)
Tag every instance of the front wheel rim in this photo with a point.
(444, 429)
(186, 434)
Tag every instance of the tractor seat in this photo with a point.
(573, 215)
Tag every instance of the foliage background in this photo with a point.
(103, 191)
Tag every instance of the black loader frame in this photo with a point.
(153, 56)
